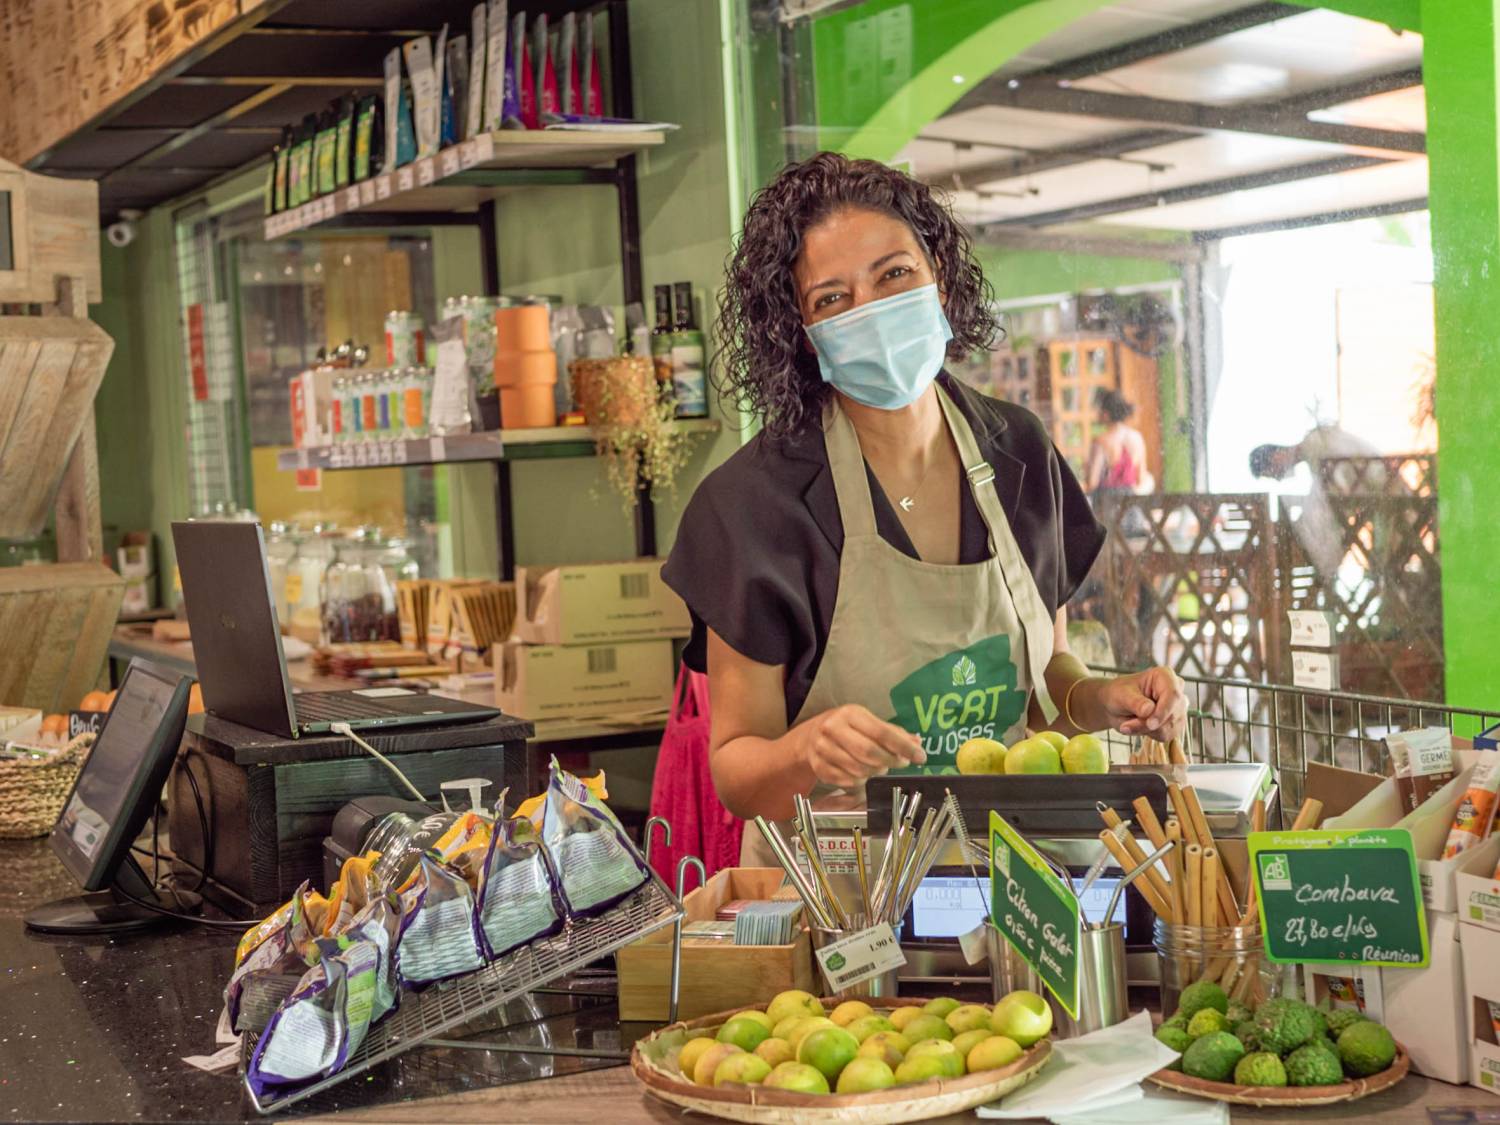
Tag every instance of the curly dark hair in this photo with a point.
(761, 363)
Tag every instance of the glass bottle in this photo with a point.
(281, 553)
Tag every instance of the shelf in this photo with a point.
(495, 445)
(465, 175)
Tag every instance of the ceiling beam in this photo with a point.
(279, 80)
(1263, 119)
(1207, 189)
(188, 136)
(1300, 222)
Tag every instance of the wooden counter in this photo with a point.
(615, 1096)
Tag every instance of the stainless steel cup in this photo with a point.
(882, 986)
(1008, 969)
(1102, 997)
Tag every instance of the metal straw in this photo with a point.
(1130, 877)
(804, 889)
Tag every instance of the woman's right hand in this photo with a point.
(845, 745)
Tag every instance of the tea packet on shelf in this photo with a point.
(595, 861)
(272, 957)
(518, 896)
(437, 938)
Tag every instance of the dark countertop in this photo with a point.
(95, 1028)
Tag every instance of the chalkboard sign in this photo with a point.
(1035, 911)
(1340, 897)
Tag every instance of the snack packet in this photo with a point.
(376, 924)
(530, 809)
(518, 897)
(567, 55)
(349, 894)
(595, 862)
(520, 80)
(548, 104)
(455, 91)
(272, 957)
(593, 86)
(1494, 1018)
(1423, 761)
(1476, 811)
(437, 938)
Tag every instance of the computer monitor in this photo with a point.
(111, 800)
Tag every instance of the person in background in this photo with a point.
(1317, 528)
(1117, 459)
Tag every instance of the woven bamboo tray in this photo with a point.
(32, 793)
(1350, 1091)
(653, 1061)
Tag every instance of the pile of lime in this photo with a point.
(794, 1044)
(1284, 1042)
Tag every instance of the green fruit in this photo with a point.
(941, 1006)
(1177, 1019)
(1313, 1065)
(1237, 1013)
(1176, 1038)
(849, 1011)
(980, 755)
(1200, 995)
(775, 1051)
(797, 1076)
(921, 1069)
(1040, 757)
(992, 1053)
(1284, 1024)
(1014, 755)
(708, 1062)
(1260, 1069)
(1340, 1019)
(927, 1026)
(1085, 754)
(888, 1045)
(806, 1027)
(867, 1026)
(1056, 739)
(746, 1034)
(903, 1015)
(1213, 1056)
(1023, 1016)
(747, 1070)
(1207, 1020)
(1366, 1048)
(783, 1029)
(968, 1017)
(759, 1017)
(691, 1052)
(793, 1002)
(863, 1075)
(966, 1041)
(1248, 1034)
(1320, 1023)
(942, 1050)
(829, 1050)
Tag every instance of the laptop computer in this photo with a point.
(226, 583)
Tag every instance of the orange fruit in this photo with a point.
(55, 724)
(94, 701)
(109, 700)
(195, 700)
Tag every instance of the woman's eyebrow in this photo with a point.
(875, 265)
(878, 262)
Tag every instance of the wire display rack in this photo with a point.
(1289, 728)
(442, 1008)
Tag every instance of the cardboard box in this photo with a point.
(715, 976)
(1481, 956)
(584, 604)
(1425, 1009)
(538, 682)
(1476, 889)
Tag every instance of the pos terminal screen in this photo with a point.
(947, 906)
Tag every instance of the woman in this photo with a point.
(880, 574)
(1117, 458)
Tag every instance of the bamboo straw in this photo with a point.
(1184, 818)
(1146, 818)
(1176, 752)
(1211, 902)
(1257, 824)
(1308, 815)
(1137, 855)
(1192, 888)
(1126, 861)
(1228, 907)
(1175, 870)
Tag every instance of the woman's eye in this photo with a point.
(825, 300)
(895, 272)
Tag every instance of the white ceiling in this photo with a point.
(1292, 55)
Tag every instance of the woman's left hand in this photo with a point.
(1151, 703)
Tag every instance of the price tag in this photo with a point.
(437, 449)
(426, 171)
(367, 193)
(1311, 628)
(398, 453)
(351, 198)
(484, 148)
(294, 587)
(385, 455)
(361, 455)
(1342, 896)
(1035, 911)
(448, 160)
(383, 187)
(468, 154)
(1318, 670)
(406, 178)
(858, 957)
(328, 207)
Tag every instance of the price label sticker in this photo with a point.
(367, 193)
(406, 178)
(437, 449)
(361, 455)
(484, 148)
(1311, 628)
(294, 588)
(426, 171)
(351, 198)
(860, 956)
(386, 456)
(328, 210)
(398, 452)
(448, 161)
(383, 187)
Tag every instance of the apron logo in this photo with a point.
(972, 693)
(964, 672)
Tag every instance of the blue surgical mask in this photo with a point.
(885, 353)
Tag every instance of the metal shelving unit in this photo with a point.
(444, 1007)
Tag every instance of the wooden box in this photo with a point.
(270, 801)
(56, 621)
(717, 975)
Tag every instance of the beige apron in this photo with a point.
(949, 653)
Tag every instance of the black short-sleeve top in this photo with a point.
(757, 552)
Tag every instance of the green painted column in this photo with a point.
(1463, 145)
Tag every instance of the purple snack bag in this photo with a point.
(518, 896)
(437, 939)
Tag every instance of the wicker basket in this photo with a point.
(32, 792)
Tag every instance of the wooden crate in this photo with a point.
(54, 231)
(56, 621)
(716, 976)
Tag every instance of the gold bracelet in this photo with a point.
(1068, 705)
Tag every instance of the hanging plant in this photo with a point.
(634, 417)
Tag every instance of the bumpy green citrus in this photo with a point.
(1284, 1024)
(1366, 1048)
(1200, 995)
(1313, 1065)
(1207, 1020)
(1260, 1069)
(1213, 1056)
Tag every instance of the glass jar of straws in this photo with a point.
(1233, 957)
